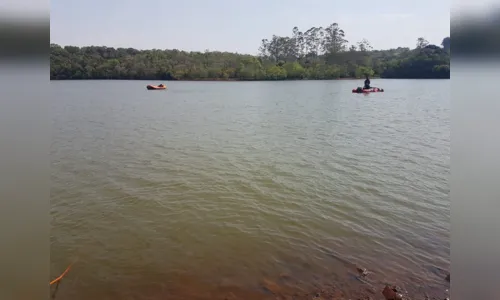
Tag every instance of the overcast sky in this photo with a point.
(240, 25)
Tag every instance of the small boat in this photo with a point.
(360, 90)
(156, 87)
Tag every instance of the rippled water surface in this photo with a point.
(212, 186)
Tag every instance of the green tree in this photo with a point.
(422, 43)
(364, 45)
(276, 73)
(362, 71)
(294, 70)
(446, 44)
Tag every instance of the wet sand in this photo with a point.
(357, 283)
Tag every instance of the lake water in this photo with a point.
(249, 188)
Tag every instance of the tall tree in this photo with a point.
(314, 40)
(299, 40)
(264, 48)
(446, 44)
(334, 41)
(422, 43)
(364, 45)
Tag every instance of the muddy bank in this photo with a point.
(282, 287)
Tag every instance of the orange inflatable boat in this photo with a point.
(156, 87)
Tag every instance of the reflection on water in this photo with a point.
(244, 188)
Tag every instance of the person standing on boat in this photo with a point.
(367, 83)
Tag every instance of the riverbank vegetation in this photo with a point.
(316, 53)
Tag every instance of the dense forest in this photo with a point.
(318, 53)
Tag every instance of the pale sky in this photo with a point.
(240, 25)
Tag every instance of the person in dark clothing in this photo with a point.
(367, 83)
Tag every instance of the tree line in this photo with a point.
(317, 53)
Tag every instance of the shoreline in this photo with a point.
(284, 287)
(242, 80)
(353, 283)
